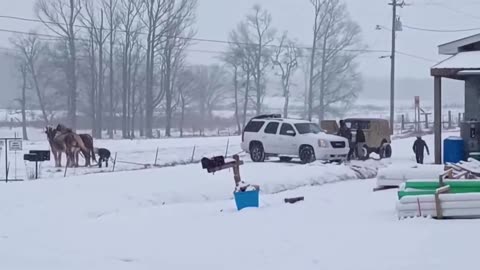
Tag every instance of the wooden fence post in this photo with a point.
(156, 158)
(226, 150)
(114, 162)
(193, 153)
(402, 127)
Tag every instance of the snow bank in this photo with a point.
(398, 174)
(182, 184)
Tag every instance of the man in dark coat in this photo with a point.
(419, 149)
(345, 132)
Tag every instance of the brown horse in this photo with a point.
(75, 144)
(57, 146)
(87, 142)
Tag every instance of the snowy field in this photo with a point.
(131, 154)
(183, 218)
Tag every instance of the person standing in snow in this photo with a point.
(419, 149)
(345, 132)
(360, 143)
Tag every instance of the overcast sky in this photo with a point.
(216, 18)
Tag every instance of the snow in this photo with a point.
(398, 174)
(184, 218)
(462, 60)
(131, 154)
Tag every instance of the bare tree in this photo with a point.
(110, 6)
(98, 37)
(154, 17)
(31, 49)
(185, 85)
(243, 49)
(262, 35)
(233, 58)
(285, 59)
(60, 16)
(305, 67)
(320, 12)
(339, 41)
(137, 81)
(210, 90)
(22, 66)
(88, 78)
(178, 34)
(128, 14)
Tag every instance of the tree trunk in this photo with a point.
(285, 106)
(125, 89)
(149, 88)
(39, 94)
(182, 118)
(259, 77)
(168, 98)
(245, 104)
(235, 83)
(24, 105)
(72, 110)
(99, 128)
(312, 67)
(93, 90)
(321, 108)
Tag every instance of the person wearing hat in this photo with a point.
(419, 147)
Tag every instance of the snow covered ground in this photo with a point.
(183, 218)
(131, 154)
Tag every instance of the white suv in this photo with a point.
(271, 135)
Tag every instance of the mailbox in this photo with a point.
(42, 154)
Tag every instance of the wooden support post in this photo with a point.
(236, 170)
(450, 120)
(426, 121)
(438, 118)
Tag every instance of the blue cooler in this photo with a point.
(453, 150)
(246, 199)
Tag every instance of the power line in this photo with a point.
(417, 57)
(454, 10)
(48, 37)
(441, 30)
(179, 37)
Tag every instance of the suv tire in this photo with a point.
(307, 154)
(257, 154)
(388, 151)
(285, 159)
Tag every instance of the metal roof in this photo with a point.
(454, 47)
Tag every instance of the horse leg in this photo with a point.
(75, 155)
(59, 158)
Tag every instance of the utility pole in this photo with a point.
(395, 27)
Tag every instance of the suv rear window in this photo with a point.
(272, 128)
(254, 126)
